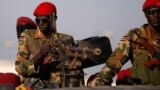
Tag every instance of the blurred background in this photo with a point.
(80, 18)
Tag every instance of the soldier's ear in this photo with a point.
(145, 14)
(55, 17)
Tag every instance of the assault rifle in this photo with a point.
(76, 53)
(155, 61)
(91, 51)
(62, 52)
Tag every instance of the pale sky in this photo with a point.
(80, 18)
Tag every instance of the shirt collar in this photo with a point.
(39, 34)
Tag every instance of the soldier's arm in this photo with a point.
(24, 65)
(117, 59)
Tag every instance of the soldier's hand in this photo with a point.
(94, 82)
(45, 49)
(98, 80)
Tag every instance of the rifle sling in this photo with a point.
(142, 41)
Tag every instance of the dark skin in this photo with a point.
(44, 23)
(153, 17)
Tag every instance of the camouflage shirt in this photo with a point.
(128, 49)
(29, 43)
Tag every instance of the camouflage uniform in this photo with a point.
(129, 50)
(29, 45)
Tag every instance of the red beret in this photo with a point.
(1, 73)
(25, 20)
(149, 3)
(9, 79)
(121, 75)
(45, 8)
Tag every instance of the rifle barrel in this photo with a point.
(82, 52)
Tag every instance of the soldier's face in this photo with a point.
(153, 16)
(43, 22)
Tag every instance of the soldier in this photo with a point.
(24, 23)
(36, 58)
(9, 81)
(141, 46)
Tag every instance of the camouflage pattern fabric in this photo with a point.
(129, 50)
(29, 43)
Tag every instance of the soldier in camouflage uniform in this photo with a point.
(24, 23)
(129, 49)
(34, 51)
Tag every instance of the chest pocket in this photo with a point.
(34, 45)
